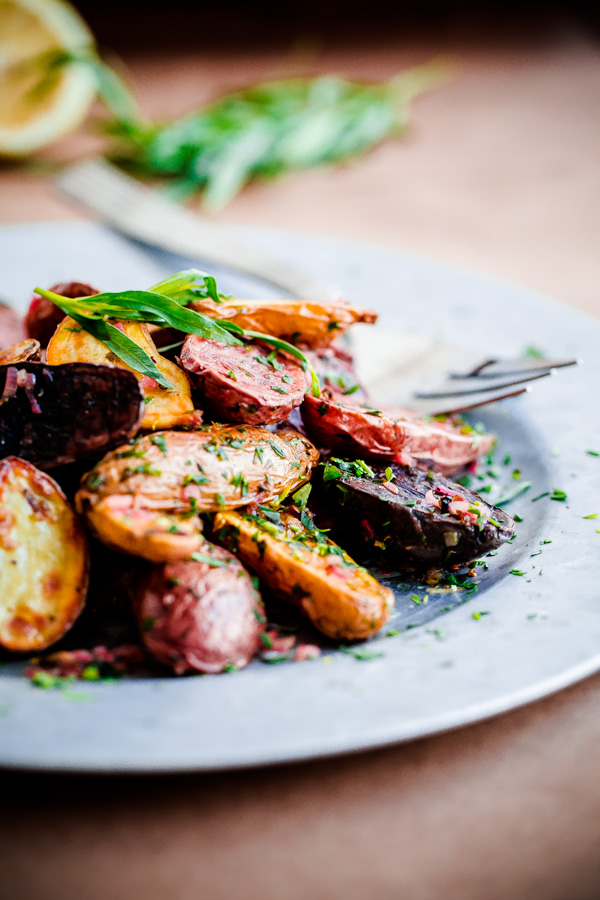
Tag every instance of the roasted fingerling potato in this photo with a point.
(28, 350)
(43, 559)
(56, 415)
(391, 433)
(249, 383)
(201, 614)
(43, 316)
(165, 408)
(155, 487)
(302, 566)
(297, 321)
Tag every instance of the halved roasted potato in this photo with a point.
(55, 415)
(24, 351)
(122, 524)
(44, 316)
(143, 497)
(201, 614)
(391, 433)
(412, 515)
(302, 566)
(249, 383)
(298, 321)
(165, 408)
(43, 559)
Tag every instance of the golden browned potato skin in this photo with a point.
(164, 408)
(155, 536)
(43, 559)
(201, 615)
(25, 351)
(298, 321)
(143, 497)
(339, 597)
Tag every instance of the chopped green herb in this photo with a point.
(593, 452)
(301, 496)
(539, 497)
(516, 572)
(194, 479)
(276, 449)
(512, 492)
(592, 516)
(360, 653)
(558, 495)
(478, 615)
(160, 441)
(212, 561)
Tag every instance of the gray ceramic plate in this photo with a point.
(541, 631)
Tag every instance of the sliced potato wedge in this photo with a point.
(340, 598)
(164, 408)
(43, 559)
(143, 497)
(298, 321)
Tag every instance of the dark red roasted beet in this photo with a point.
(54, 415)
(200, 615)
(43, 316)
(247, 383)
(12, 327)
(335, 367)
(419, 517)
(391, 433)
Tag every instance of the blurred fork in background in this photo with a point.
(148, 216)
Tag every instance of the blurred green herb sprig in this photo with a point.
(265, 131)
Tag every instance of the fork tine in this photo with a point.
(494, 368)
(467, 386)
(437, 407)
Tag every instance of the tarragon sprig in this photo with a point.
(164, 303)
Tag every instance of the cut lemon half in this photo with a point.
(40, 100)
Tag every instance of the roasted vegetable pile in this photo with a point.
(185, 431)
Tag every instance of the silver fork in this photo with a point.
(487, 382)
(148, 216)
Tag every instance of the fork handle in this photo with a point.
(149, 217)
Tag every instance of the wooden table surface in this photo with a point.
(499, 173)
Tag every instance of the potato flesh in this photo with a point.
(21, 352)
(340, 598)
(298, 321)
(178, 474)
(43, 559)
(164, 408)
